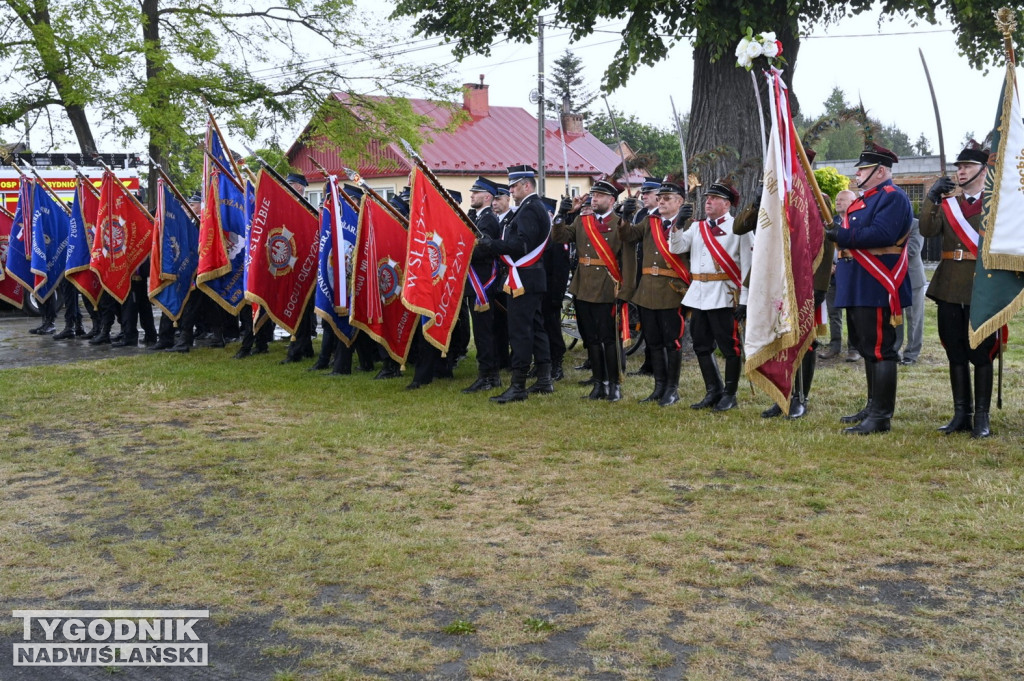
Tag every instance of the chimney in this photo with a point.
(474, 99)
(571, 123)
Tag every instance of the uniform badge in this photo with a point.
(436, 254)
(389, 278)
(281, 251)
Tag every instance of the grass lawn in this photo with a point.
(345, 528)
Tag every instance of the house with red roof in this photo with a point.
(486, 143)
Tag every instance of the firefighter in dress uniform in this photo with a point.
(719, 265)
(953, 211)
(872, 282)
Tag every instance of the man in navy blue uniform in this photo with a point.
(872, 282)
(483, 281)
(522, 245)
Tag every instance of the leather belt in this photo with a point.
(656, 271)
(717, 276)
(958, 254)
(885, 250)
(587, 261)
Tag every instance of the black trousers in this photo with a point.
(69, 296)
(663, 328)
(262, 337)
(526, 333)
(596, 322)
(875, 337)
(483, 338)
(716, 328)
(953, 321)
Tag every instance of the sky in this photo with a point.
(893, 89)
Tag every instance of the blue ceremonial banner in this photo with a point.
(78, 239)
(50, 227)
(179, 252)
(222, 244)
(220, 151)
(337, 238)
(18, 264)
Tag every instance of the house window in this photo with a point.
(315, 197)
(574, 190)
(385, 192)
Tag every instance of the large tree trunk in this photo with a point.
(83, 131)
(724, 114)
(151, 35)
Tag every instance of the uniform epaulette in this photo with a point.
(889, 188)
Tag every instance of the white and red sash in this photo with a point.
(961, 227)
(891, 280)
(601, 245)
(673, 259)
(720, 255)
(514, 284)
(482, 302)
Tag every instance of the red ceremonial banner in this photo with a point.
(377, 261)
(437, 257)
(11, 290)
(124, 233)
(83, 278)
(284, 246)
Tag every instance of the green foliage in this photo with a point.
(459, 628)
(847, 140)
(154, 68)
(831, 181)
(922, 147)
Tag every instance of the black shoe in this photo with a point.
(88, 336)
(118, 337)
(797, 409)
(242, 354)
(66, 334)
(288, 359)
(217, 343)
(415, 385)
(259, 350)
(598, 392)
(101, 339)
(124, 343)
(725, 403)
(386, 373)
(772, 412)
(80, 332)
(318, 366)
(481, 383)
(981, 425)
(179, 347)
(163, 345)
(557, 374)
(614, 392)
(46, 329)
(149, 340)
(335, 372)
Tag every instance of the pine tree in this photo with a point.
(568, 87)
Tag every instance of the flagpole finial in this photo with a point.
(1006, 22)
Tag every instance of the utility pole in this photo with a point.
(540, 105)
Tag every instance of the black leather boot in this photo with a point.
(960, 382)
(869, 374)
(516, 391)
(982, 400)
(544, 384)
(612, 372)
(712, 382)
(883, 401)
(673, 364)
(659, 367)
(732, 384)
(598, 365)
(67, 333)
(798, 403)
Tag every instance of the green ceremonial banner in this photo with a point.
(998, 293)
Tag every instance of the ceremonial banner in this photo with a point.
(50, 227)
(175, 256)
(11, 290)
(338, 226)
(221, 273)
(780, 306)
(437, 257)
(1004, 191)
(18, 262)
(998, 294)
(81, 234)
(222, 156)
(377, 280)
(124, 233)
(283, 247)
